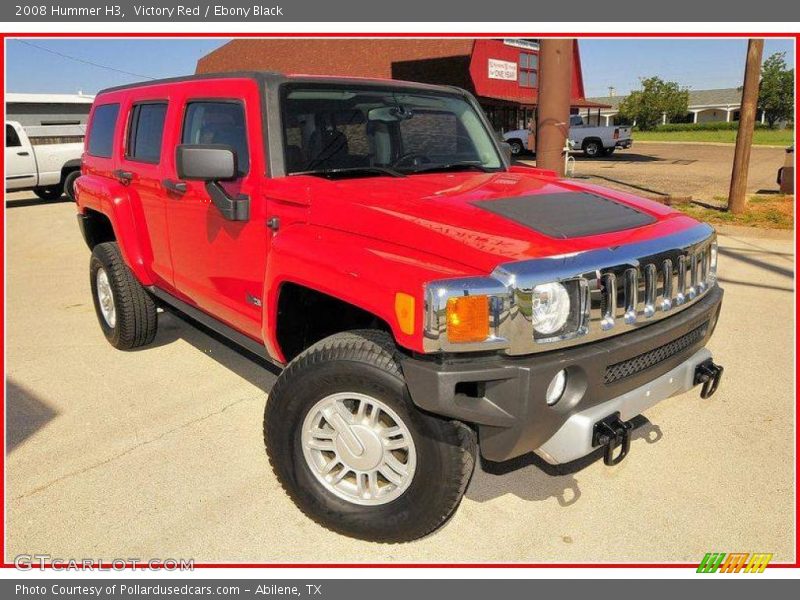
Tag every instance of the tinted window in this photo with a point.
(218, 123)
(101, 131)
(12, 139)
(337, 128)
(146, 131)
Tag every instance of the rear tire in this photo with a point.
(52, 192)
(592, 149)
(69, 184)
(432, 471)
(608, 151)
(125, 311)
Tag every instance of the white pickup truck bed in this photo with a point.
(593, 141)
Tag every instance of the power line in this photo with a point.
(86, 62)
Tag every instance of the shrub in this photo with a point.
(714, 126)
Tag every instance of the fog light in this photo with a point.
(556, 388)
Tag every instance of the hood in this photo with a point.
(481, 220)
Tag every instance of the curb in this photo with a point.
(726, 144)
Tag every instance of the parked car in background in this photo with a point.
(592, 141)
(49, 166)
(425, 298)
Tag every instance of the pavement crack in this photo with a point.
(132, 449)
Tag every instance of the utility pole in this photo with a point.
(737, 198)
(555, 81)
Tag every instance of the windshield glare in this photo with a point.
(357, 129)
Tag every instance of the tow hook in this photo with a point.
(709, 374)
(612, 432)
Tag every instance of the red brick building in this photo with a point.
(502, 73)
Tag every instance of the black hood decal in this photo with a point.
(567, 215)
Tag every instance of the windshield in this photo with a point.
(362, 131)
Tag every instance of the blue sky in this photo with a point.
(699, 64)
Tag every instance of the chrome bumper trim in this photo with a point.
(574, 439)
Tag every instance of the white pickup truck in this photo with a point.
(593, 141)
(48, 167)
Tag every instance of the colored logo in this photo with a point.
(735, 562)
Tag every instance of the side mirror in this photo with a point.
(505, 148)
(213, 163)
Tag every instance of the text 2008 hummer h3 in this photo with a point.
(424, 296)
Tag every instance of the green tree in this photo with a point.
(657, 97)
(776, 91)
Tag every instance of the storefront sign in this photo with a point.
(526, 44)
(502, 69)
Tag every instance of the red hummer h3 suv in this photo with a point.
(423, 296)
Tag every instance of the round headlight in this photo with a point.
(556, 388)
(550, 307)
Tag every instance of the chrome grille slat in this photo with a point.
(631, 288)
(666, 286)
(609, 301)
(650, 281)
(680, 296)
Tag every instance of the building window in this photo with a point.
(528, 69)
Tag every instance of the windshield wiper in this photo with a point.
(344, 171)
(454, 166)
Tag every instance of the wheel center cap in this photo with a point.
(366, 454)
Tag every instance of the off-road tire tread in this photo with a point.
(137, 317)
(376, 348)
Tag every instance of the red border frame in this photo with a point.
(795, 36)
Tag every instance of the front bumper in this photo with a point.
(505, 396)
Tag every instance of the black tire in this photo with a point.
(69, 184)
(592, 149)
(136, 318)
(516, 147)
(608, 151)
(52, 192)
(366, 362)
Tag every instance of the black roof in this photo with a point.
(270, 77)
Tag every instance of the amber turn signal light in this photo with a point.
(468, 319)
(404, 311)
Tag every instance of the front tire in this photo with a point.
(391, 476)
(516, 147)
(125, 311)
(52, 192)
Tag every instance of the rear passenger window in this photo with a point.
(12, 139)
(101, 131)
(218, 123)
(146, 131)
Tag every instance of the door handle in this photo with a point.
(179, 187)
(23, 153)
(124, 177)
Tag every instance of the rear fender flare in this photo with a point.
(113, 200)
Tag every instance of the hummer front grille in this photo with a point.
(612, 291)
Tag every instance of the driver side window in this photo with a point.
(219, 122)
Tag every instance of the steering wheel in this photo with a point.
(411, 159)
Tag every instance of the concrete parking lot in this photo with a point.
(701, 171)
(158, 452)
